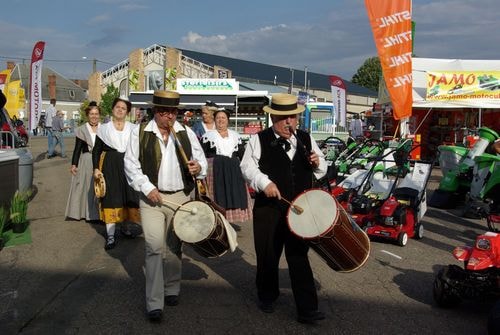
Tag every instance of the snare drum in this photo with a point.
(199, 225)
(330, 231)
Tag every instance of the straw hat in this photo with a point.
(284, 104)
(166, 99)
(100, 187)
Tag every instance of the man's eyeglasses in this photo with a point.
(165, 111)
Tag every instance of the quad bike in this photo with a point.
(456, 182)
(478, 278)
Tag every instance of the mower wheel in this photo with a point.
(419, 231)
(402, 239)
(442, 292)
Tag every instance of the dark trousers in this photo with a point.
(271, 234)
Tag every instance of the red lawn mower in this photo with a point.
(393, 200)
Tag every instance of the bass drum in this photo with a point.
(199, 225)
(318, 218)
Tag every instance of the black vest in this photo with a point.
(150, 156)
(291, 177)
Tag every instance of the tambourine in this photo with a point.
(100, 186)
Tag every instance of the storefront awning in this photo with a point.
(195, 101)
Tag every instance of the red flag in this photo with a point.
(391, 25)
(339, 99)
(36, 84)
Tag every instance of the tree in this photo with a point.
(107, 98)
(368, 75)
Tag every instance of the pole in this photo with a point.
(291, 84)
(305, 79)
(94, 65)
(236, 113)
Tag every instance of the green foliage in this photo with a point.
(19, 207)
(81, 111)
(368, 75)
(107, 98)
(3, 219)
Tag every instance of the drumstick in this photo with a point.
(193, 210)
(298, 209)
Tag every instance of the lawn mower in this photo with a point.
(350, 186)
(359, 158)
(484, 188)
(401, 214)
(456, 182)
(390, 208)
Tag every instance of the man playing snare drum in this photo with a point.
(279, 165)
(163, 176)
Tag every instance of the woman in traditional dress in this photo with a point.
(207, 122)
(121, 202)
(226, 186)
(82, 202)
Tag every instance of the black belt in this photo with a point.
(169, 192)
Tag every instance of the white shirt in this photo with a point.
(49, 115)
(250, 162)
(356, 127)
(169, 176)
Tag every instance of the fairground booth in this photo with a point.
(452, 98)
(245, 106)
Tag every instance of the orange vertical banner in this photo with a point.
(391, 25)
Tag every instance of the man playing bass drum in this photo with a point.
(162, 175)
(280, 164)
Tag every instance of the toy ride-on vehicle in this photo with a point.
(479, 277)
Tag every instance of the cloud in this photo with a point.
(343, 40)
(285, 45)
(133, 6)
(109, 36)
(99, 19)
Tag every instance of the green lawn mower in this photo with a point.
(456, 181)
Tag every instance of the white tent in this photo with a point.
(421, 66)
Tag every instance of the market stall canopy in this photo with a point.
(457, 83)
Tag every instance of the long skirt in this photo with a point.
(121, 202)
(232, 215)
(82, 202)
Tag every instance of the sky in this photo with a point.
(326, 36)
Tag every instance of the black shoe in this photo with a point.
(171, 300)
(131, 229)
(110, 243)
(266, 306)
(155, 315)
(310, 317)
(50, 156)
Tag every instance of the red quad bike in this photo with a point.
(400, 215)
(480, 276)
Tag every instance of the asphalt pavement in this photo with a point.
(64, 282)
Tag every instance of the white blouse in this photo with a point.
(225, 146)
